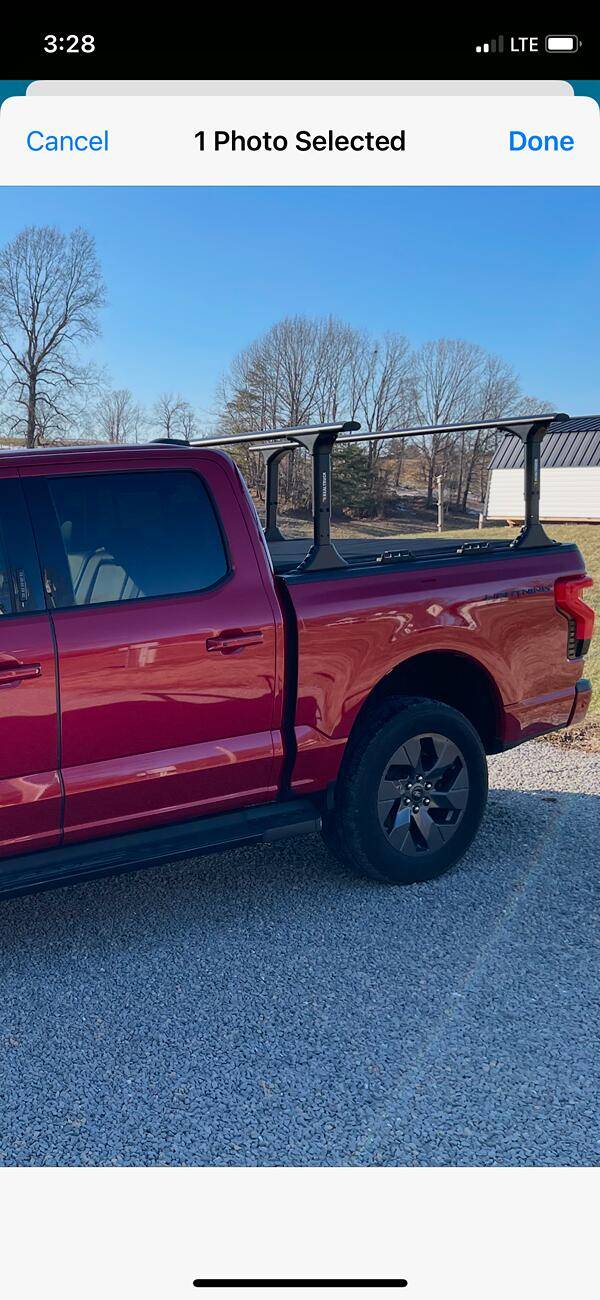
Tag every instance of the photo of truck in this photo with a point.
(173, 683)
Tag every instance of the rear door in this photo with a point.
(166, 640)
(30, 788)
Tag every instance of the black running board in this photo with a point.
(139, 849)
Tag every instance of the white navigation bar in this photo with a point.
(294, 140)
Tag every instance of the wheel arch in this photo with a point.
(450, 677)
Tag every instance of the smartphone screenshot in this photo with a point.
(299, 681)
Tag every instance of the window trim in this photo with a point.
(50, 544)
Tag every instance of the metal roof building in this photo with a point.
(570, 479)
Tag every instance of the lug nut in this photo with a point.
(427, 802)
(407, 801)
(428, 785)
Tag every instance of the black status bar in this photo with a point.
(180, 48)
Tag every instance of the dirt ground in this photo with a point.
(585, 737)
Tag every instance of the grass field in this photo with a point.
(587, 537)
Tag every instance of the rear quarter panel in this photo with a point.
(354, 629)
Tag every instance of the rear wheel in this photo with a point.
(411, 793)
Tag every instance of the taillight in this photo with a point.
(579, 615)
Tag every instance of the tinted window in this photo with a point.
(126, 536)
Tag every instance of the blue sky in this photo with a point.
(194, 275)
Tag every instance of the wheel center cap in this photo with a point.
(417, 791)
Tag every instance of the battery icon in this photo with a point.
(562, 44)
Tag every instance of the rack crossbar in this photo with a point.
(270, 435)
(320, 441)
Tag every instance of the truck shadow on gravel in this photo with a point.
(294, 882)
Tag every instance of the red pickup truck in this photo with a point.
(170, 686)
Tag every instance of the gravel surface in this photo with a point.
(263, 1008)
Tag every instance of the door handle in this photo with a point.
(15, 673)
(232, 640)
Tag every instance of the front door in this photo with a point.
(166, 642)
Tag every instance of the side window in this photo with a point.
(129, 536)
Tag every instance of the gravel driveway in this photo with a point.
(263, 1008)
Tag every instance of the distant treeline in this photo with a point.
(302, 370)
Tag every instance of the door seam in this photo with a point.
(59, 746)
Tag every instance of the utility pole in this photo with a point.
(440, 517)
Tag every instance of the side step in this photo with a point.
(138, 849)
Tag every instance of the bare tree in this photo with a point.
(383, 396)
(189, 423)
(305, 370)
(288, 376)
(51, 290)
(172, 416)
(449, 375)
(338, 348)
(277, 382)
(118, 416)
(496, 394)
(313, 370)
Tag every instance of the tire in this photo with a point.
(388, 824)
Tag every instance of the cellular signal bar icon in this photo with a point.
(495, 46)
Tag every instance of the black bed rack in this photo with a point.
(320, 439)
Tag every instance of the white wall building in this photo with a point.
(570, 479)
